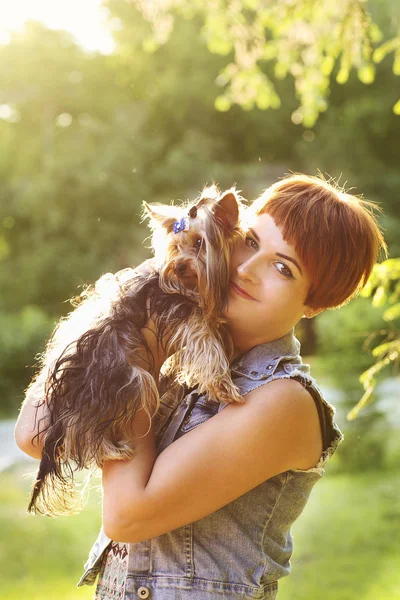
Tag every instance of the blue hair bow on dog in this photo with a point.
(182, 225)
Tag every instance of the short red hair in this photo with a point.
(335, 235)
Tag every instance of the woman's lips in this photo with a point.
(241, 292)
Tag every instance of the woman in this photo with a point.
(204, 509)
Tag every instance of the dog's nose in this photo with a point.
(180, 268)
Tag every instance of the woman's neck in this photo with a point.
(243, 344)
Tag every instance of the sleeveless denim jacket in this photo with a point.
(242, 549)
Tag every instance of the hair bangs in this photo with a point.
(335, 234)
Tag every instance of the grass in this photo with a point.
(346, 543)
(42, 558)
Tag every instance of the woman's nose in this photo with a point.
(246, 270)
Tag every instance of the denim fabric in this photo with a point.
(244, 548)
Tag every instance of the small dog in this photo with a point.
(98, 367)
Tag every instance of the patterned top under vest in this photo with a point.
(242, 549)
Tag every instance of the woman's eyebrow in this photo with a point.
(291, 260)
(254, 234)
(278, 253)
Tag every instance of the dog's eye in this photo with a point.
(198, 242)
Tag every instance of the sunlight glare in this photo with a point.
(85, 19)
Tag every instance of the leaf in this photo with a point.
(263, 99)
(396, 64)
(365, 400)
(383, 349)
(394, 297)
(280, 71)
(266, 18)
(150, 45)
(251, 4)
(275, 101)
(368, 289)
(219, 46)
(367, 378)
(392, 313)
(327, 65)
(396, 108)
(342, 75)
(375, 33)
(309, 120)
(385, 49)
(269, 51)
(222, 104)
(366, 74)
(379, 296)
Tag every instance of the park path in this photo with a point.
(9, 451)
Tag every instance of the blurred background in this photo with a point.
(106, 104)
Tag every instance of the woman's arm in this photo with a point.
(275, 430)
(32, 413)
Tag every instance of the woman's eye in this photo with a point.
(251, 242)
(285, 270)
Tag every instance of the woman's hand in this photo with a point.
(148, 267)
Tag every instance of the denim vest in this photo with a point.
(242, 549)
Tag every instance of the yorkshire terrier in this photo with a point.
(98, 368)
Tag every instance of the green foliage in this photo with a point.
(342, 341)
(64, 159)
(384, 289)
(366, 444)
(306, 38)
(21, 338)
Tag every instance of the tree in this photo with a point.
(384, 289)
(308, 39)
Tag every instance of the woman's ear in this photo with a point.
(309, 313)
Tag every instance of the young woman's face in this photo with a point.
(268, 286)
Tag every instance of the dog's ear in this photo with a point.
(227, 208)
(159, 215)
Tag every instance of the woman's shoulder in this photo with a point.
(292, 378)
(289, 399)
